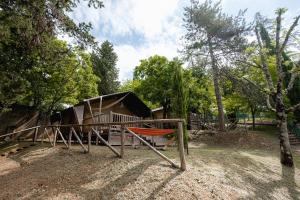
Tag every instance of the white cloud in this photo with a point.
(158, 22)
(129, 56)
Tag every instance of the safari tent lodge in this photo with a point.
(117, 107)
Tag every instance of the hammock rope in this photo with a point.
(151, 131)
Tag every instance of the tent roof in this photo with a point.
(129, 99)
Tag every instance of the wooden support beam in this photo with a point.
(55, 137)
(35, 135)
(181, 146)
(62, 137)
(47, 133)
(154, 149)
(42, 135)
(106, 143)
(89, 141)
(122, 140)
(80, 142)
(97, 140)
(109, 126)
(70, 138)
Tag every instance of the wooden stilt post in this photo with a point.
(80, 142)
(89, 141)
(62, 137)
(97, 140)
(181, 146)
(122, 140)
(70, 139)
(35, 135)
(109, 126)
(106, 143)
(43, 134)
(54, 139)
(46, 131)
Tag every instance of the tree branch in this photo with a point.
(291, 83)
(265, 67)
(293, 108)
(289, 33)
(270, 107)
(249, 64)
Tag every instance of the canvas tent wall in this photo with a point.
(125, 106)
(18, 118)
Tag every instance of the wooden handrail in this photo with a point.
(20, 131)
(121, 123)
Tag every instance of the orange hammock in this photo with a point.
(151, 131)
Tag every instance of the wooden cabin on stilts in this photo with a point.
(117, 107)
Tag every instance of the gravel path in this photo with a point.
(41, 172)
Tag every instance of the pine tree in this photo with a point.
(104, 61)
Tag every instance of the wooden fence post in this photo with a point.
(89, 141)
(35, 134)
(181, 146)
(122, 140)
(55, 136)
(70, 139)
(109, 126)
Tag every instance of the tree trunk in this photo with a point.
(286, 156)
(217, 88)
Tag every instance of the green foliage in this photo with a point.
(155, 76)
(200, 91)
(179, 106)
(135, 86)
(37, 69)
(104, 64)
(209, 28)
(154, 83)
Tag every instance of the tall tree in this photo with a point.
(104, 64)
(216, 36)
(179, 103)
(293, 93)
(155, 75)
(28, 37)
(275, 87)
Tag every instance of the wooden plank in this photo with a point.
(62, 137)
(80, 142)
(154, 149)
(106, 143)
(181, 146)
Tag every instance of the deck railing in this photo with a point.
(115, 117)
(93, 131)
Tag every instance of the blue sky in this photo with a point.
(142, 28)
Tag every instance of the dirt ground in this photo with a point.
(232, 166)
